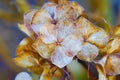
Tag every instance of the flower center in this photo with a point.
(59, 41)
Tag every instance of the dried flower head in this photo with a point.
(58, 33)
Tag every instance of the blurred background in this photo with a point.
(11, 13)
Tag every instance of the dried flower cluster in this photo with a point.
(58, 34)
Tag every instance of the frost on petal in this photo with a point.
(28, 19)
(114, 45)
(50, 8)
(26, 60)
(112, 65)
(72, 44)
(88, 53)
(116, 30)
(47, 33)
(41, 17)
(25, 45)
(59, 57)
(45, 50)
(23, 76)
(99, 38)
(85, 27)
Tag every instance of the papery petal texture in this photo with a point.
(60, 58)
(45, 50)
(114, 46)
(85, 27)
(41, 17)
(28, 19)
(99, 38)
(88, 53)
(112, 66)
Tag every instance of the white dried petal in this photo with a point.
(85, 27)
(47, 32)
(99, 38)
(28, 19)
(112, 66)
(50, 8)
(64, 31)
(59, 57)
(72, 44)
(41, 17)
(114, 46)
(88, 53)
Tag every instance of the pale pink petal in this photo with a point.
(88, 53)
(59, 57)
(72, 44)
(99, 38)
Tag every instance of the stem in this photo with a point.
(68, 75)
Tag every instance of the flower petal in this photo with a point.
(25, 45)
(99, 38)
(51, 73)
(26, 60)
(24, 29)
(116, 30)
(47, 32)
(88, 53)
(72, 44)
(85, 27)
(28, 19)
(78, 8)
(59, 57)
(50, 8)
(45, 50)
(64, 31)
(102, 75)
(23, 76)
(67, 11)
(41, 17)
(112, 65)
(114, 46)
(100, 65)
